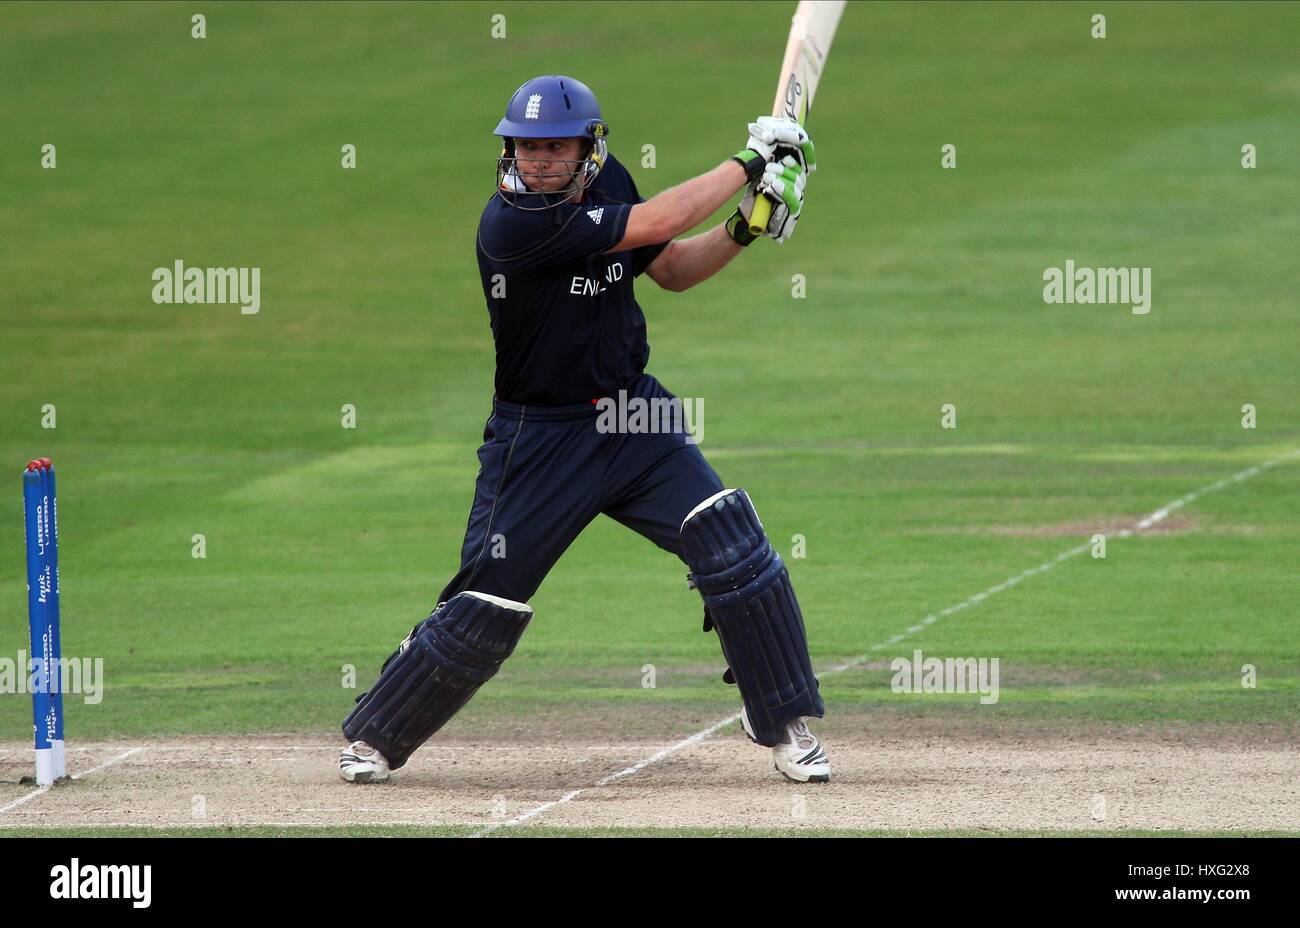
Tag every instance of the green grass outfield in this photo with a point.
(325, 545)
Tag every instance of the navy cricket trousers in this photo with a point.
(548, 471)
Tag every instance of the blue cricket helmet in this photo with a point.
(553, 107)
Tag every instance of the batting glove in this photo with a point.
(783, 182)
(775, 136)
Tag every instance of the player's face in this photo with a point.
(547, 165)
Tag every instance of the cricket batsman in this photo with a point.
(560, 244)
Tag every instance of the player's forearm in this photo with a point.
(697, 199)
(696, 259)
(686, 205)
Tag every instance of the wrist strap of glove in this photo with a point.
(738, 229)
(752, 162)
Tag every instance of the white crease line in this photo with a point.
(1150, 520)
(42, 790)
(606, 780)
(107, 763)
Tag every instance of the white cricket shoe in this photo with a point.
(360, 763)
(800, 756)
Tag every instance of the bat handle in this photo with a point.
(759, 215)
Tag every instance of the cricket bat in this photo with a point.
(811, 32)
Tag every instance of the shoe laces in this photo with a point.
(799, 734)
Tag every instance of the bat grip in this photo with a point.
(759, 215)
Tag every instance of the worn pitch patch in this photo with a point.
(1110, 526)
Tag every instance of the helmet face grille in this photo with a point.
(512, 190)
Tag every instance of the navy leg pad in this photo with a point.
(438, 668)
(751, 603)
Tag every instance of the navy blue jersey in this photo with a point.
(568, 328)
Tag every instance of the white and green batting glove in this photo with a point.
(773, 136)
(783, 182)
(804, 153)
